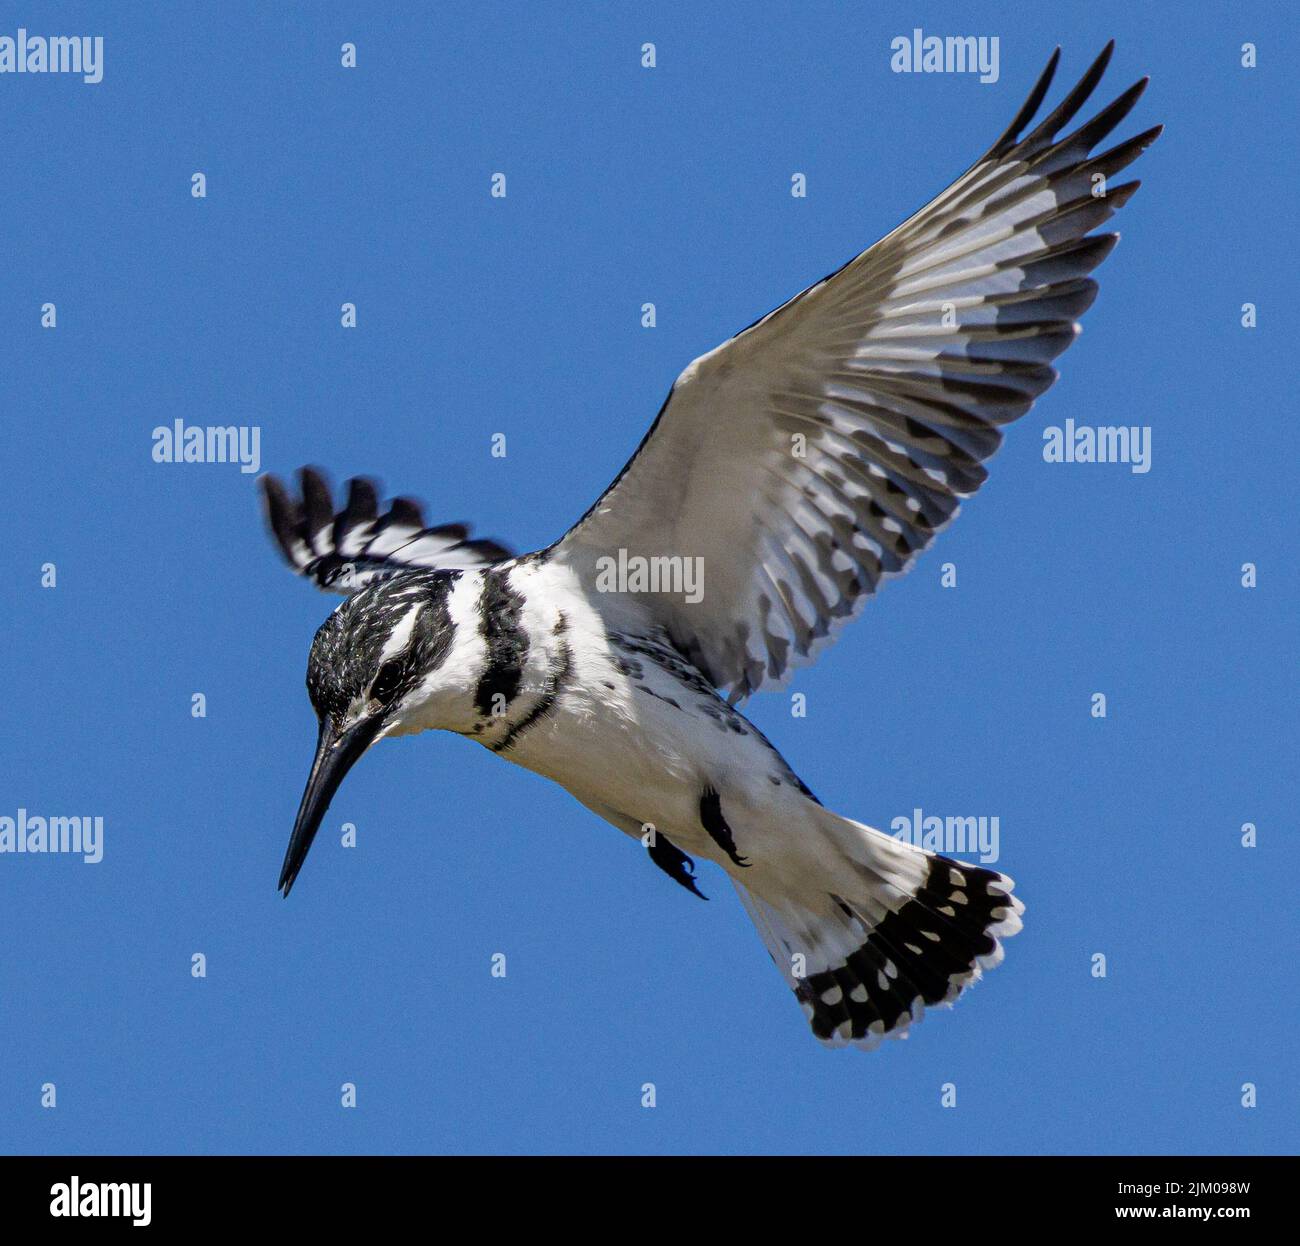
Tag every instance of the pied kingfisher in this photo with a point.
(800, 464)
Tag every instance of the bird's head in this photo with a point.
(375, 666)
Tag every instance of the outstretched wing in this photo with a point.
(343, 552)
(817, 452)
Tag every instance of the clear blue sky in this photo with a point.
(522, 316)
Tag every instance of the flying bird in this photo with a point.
(797, 466)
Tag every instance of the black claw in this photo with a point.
(712, 820)
(674, 862)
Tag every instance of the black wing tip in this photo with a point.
(275, 497)
(1074, 100)
(362, 491)
(306, 518)
(1099, 65)
(1011, 135)
(455, 530)
(282, 514)
(403, 512)
(313, 477)
(361, 507)
(1126, 99)
(1135, 146)
(491, 548)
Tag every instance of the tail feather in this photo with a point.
(888, 931)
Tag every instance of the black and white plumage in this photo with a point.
(344, 552)
(801, 463)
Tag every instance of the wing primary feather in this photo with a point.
(284, 516)
(1062, 114)
(322, 545)
(318, 509)
(1011, 135)
(362, 507)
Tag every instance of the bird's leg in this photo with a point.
(673, 861)
(712, 820)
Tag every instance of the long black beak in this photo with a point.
(335, 754)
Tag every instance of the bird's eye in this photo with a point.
(388, 681)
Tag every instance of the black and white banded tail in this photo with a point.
(894, 931)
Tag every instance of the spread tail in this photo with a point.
(882, 932)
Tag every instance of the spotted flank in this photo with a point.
(345, 551)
